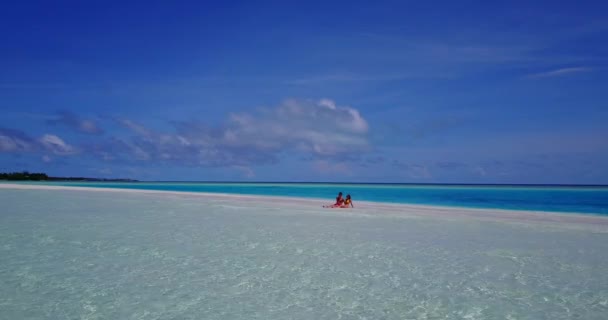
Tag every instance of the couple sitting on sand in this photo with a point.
(342, 203)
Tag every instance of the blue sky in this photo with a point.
(454, 92)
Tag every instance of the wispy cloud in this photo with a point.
(466, 52)
(32, 86)
(135, 127)
(75, 122)
(361, 78)
(15, 141)
(561, 72)
(56, 145)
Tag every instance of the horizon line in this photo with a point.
(384, 183)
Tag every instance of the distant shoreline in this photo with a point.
(61, 179)
(41, 176)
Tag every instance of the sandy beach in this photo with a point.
(87, 253)
(362, 207)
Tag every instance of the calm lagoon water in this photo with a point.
(112, 255)
(579, 199)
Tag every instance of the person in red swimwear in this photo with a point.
(339, 202)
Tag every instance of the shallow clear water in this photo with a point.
(109, 255)
(541, 198)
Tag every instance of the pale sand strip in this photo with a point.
(365, 207)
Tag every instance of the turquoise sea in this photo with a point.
(579, 199)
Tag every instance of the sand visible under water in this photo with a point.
(84, 253)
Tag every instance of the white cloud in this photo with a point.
(183, 141)
(46, 159)
(56, 145)
(561, 72)
(135, 127)
(352, 78)
(73, 121)
(15, 141)
(8, 144)
(319, 128)
(328, 104)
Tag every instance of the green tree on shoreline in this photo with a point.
(27, 176)
(24, 175)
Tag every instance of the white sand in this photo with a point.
(362, 207)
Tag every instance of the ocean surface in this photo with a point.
(581, 199)
(112, 255)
